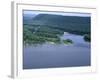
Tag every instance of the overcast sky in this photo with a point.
(57, 13)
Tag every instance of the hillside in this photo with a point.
(67, 23)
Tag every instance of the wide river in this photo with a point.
(61, 55)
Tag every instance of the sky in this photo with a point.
(57, 13)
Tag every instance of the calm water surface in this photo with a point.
(61, 55)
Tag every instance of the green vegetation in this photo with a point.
(41, 34)
(87, 37)
(48, 28)
(72, 24)
(68, 41)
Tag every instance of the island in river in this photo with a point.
(56, 41)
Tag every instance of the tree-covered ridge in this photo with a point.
(59, 18)
(47, 28)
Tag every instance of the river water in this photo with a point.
(61, 55)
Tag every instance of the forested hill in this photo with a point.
(68, 23)
(59, 19)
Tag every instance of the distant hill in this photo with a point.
(28, 18)
(58, 19)
(72, 23)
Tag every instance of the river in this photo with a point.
(52, 55)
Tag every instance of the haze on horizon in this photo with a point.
(57, 13)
